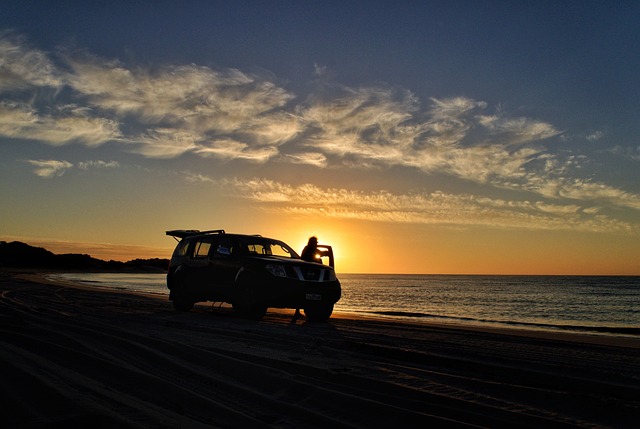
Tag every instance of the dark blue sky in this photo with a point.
(578, 56)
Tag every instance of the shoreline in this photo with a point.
(576, 334)
(76, 355)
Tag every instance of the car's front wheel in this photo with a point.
(318, 312)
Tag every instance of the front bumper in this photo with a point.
(297, 294)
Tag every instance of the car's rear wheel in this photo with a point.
(247, 303)
(318, 312)
(181, 300)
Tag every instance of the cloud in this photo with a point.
(165, 143)
(66, 124)
(630, 153)
(191, 97)
(22, 67)
(310, 158)
(229, 149)
(89, 165)
(377, 126)
(363, 122)
(596, 135)
(462, 210)
(226, 114)
(212, 105)
(48, 168)
(585, 190)
(273, 129)
(454, 109)
(193, 177)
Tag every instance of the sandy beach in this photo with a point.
(73, 356)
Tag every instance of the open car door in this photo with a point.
(326, 255)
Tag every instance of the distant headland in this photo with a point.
(16, 254)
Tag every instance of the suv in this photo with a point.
(251, 272)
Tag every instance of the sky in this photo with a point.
(433, 137)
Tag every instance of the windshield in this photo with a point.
(266, 246)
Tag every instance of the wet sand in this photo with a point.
(74, 356)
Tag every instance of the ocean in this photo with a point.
(605, 305)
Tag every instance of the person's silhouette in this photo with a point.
(310, 254)
(310, 251)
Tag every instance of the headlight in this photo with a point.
(276, 270)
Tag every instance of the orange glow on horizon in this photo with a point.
(404, 249)
(104, 251)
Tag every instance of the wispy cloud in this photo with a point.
(228, 115)
(596, 135)
(631, 153)
(585, 190)
(165, 143)
(380, 126)
(190, 108)
(193, 97)
(23, 67)
(90, 165)
(440, 208)
(229, 149)
(517, 130)
(193, 177)
(66, 124)
(311, 158)
(49, 168)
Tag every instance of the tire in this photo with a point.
(246, 304)
(181, 301)
(318, 312)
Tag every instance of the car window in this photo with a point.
(279, 250)
(258, 249)
(259, 246)
(181, 248)
(201, 249)
(223, 247)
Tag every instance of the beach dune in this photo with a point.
(76, 356)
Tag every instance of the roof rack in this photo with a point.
(183, 233)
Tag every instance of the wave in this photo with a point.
(581, 328)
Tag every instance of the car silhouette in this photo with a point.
(250, 272)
